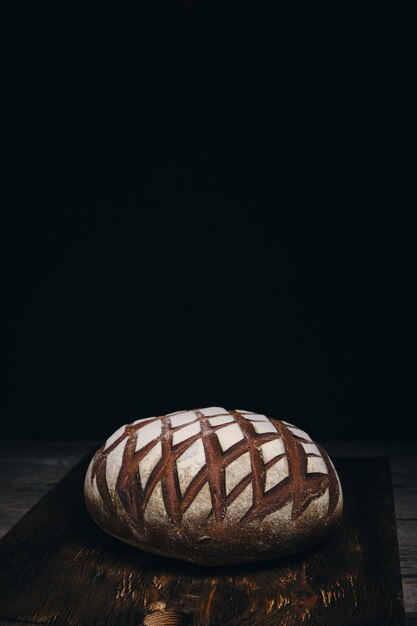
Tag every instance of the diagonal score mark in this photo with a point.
(258, 468)
(314, 485)
(233, 453)
(171, 491)
(215, 468)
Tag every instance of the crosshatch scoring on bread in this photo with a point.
(182, 484)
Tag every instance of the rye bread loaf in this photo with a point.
(214, 486)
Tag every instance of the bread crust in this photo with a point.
(214, 487)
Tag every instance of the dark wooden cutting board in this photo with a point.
(58, 567)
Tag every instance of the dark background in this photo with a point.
(203, 209)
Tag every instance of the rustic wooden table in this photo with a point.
(29, 469)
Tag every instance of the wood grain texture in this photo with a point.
(403, 462)
(57, 567)
(28, 470)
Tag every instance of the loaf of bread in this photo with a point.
(213, 486)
